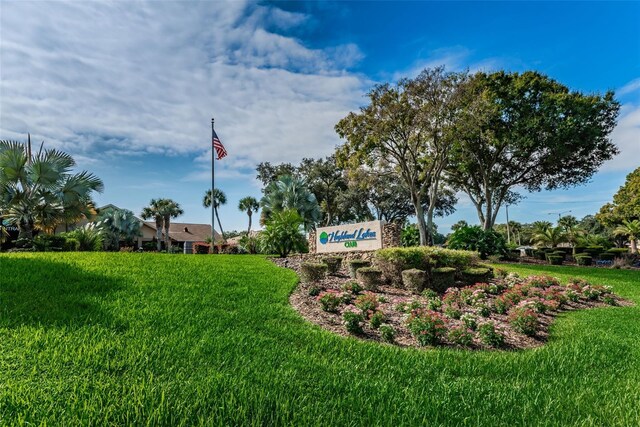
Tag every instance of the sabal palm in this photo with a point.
(290, 193)
(550, 237)
(155, 211)
(249, 205)
(631, 230)
(218, 199)
(170, 209)
(540, 226)
(39, 190)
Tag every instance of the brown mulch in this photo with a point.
(310, 309)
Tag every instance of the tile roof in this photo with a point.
(187, 232)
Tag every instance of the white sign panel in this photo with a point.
(364, 236)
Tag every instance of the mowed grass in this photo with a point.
(145, 339)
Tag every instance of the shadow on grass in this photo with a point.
(35, 291)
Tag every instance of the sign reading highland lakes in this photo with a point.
(364, 236)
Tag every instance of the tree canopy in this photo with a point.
(626, 202)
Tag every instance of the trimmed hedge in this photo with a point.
(370, 277)
(606, 256)
(393, 261)
(442, 278)
(333, 263)
(414, 280)
(555, 259)
(618, 252)
(584, 260)
(312, 272)
(355, 265)
(471, 276)
(594, 250)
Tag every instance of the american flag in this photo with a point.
(217, 145)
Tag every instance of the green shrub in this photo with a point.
(352, 286)
(605, 256)
(89, 237)
(594, 251)
(370, 277)
(460, 336)
(352, 320)
(414, 280)
(49, 243)
(355, 265)
(283, 234)
(489, 336)
(368, 303)
(474, 238)
(330, 300)
(578, 249)
(471, 276)
(524, 320)
(561, 254)
(387, 333)
(429, 293)
(434, 304)
(71, 245)
(376, 319)
(426, 326)
(452, 311)
(555, 259)
(584, 260)
(469, 321)
(443, 278)
(540, 254)
(312, 272)
(314, 290)
(618, 252)
(333, 264)
(483, 310)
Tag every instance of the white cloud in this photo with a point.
(626, 136)
(128, 79)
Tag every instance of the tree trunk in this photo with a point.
(422, 225)
(167, 239)
(634, 246)
(159, 235)
(249, 230)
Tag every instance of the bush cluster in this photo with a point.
(426, 326)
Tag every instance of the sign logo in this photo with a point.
(324, 237)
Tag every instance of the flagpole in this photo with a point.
(213, 210)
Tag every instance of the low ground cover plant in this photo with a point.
(498, 313)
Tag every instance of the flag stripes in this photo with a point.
(217, 145)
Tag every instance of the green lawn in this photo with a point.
(116, 339)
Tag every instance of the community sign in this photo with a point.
(364, 236)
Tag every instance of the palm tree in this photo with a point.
(249, 205)
(630, 229)
(219, 199)
(290, 193)
(567, 222)
(118, 224)
(550, 237)
(170, 209)
(540, 226)
(39, 190)
(155, 211)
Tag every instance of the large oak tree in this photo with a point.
(408, 125)
(527, 131)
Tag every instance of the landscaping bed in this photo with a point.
(509, 312)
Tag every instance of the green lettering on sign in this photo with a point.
(351, 244)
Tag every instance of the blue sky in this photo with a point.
(129, 88)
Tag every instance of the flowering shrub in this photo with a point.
(536, 304)
(376, 319)
(469, 321)
(572, 295)
(429, 293)
(542, 281)
(524, 320)
(352, 320)
(346, 297)
(426, 326)
(452, 311)
(368, 303)
(483, 310)
(451, 296)
(501, 305)
(557, 294)
(608, 299)
(460, 336)
(387, 333)
(434, 304)
(353, 287)
(489, 336)
(330, 300)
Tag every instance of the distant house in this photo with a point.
(181, 234)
